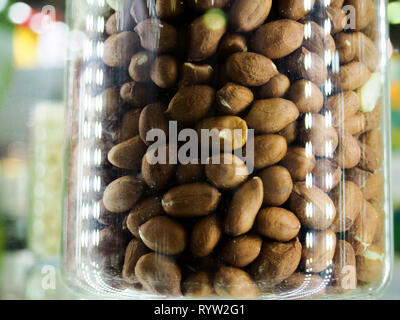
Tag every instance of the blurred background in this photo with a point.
(32, 61)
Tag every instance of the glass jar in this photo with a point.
(238, 149)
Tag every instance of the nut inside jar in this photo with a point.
(245, 148)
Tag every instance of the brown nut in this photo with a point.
(303, 285)
(191, 200)
(232, 99)
(244, 207)
(364, 12)
(345, 46)
(250, 69)
(371, 157)
(170, 10)
(271, 115)
(190, 104)
(198, 285)
(361, 234)
(157, 36)
(164, 71)
(129, 127)
(318, 41)
(279, 38)
(142, 212)
(241, 251)
(152, 117)
(298, 62)
(133, 252)
(192, 74)
(342, 106)
(230, 132)
(277, 185)
(246, 15)
(294, 9)
(312, 206)
(316, 130)
(137, 94)
(326, 174)
(205, 236)
(122, 194)
(318, 250)
(276, 262)
(348, 201)
(159, 274)
(188, 173)
(370, 264)
(127, 154)
(348, 153)
(232, 43)
(117, 23)
(351, 76)
(141, 10)
(307, 96)
(269, 149)
(344, 273)
(230, 172)
(234, 283)
(205, 32)
(355, 124)
(370, 184)
(277, 224)
(290, 132)
(139, 68)
(337, 17)
(204, 5)
(163, 235)
(274, 88)
(119, 48)
(298, 162)
(156, 169)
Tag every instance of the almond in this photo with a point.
(232, 99)
(234, 283)
(277, 185)
(271, 115)
(228, 173)
(318, 250)
(205, 236)
(191, 200)
(277, 224)
(250, 69)
(276, 262)
(244, 207)
(241, 251)
(269, 149)
(274, 88)
(279, 38)
(128, 154)
(152, 117)
(307, 96)
(159, 274)
(163, 235)
(142, 212)
(190, 104)
(122, 194)
(246, 15)
(157, 36)
(305, 200)
(205, 32)
(298, 162)
(348, 201)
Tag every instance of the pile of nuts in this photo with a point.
(309, 219)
